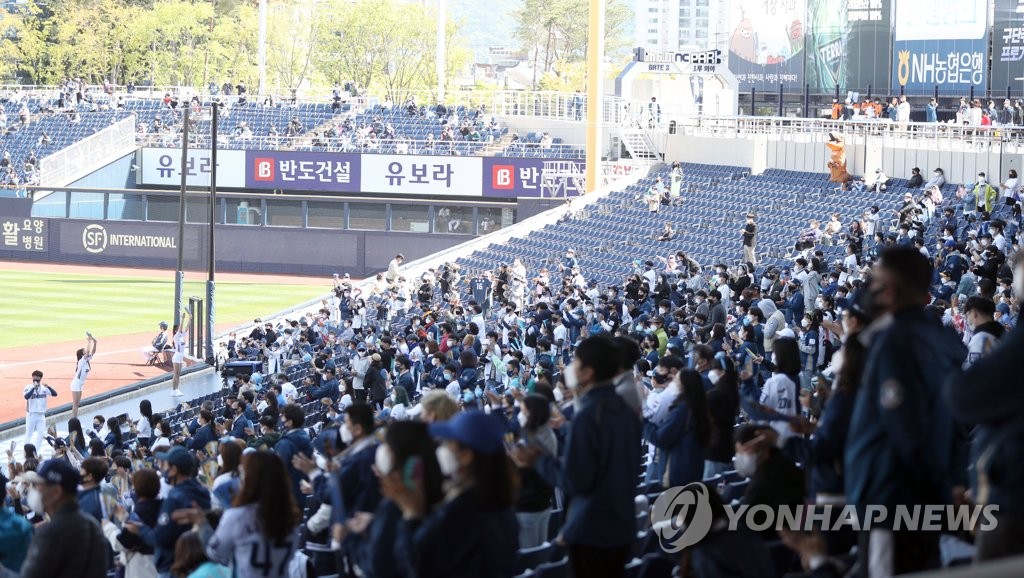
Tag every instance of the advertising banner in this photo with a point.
(518, 177)
(306, 171)
(940, 43)
(848, 45)
(23, 234)
(422, 175)
(766, 43)
(162, 167)
(113, 239)
(1007, 45)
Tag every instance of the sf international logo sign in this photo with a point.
(96, 239)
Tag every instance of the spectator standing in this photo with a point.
(295, 441)
(71, 543)
(179, 470)
(988, 395)
(473, 532)
(84, 364)
(749, 232)
(533, 507)
(599, 467)
(902, 444)
(137, 556)
(35, 394)
(392, 275)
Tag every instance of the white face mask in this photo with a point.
(714, 375)
(383, 460)
(522, 417)
(745, 464)
(447, 460)
(35, 501)
(346, 434)
(570, 377)
(805, 323)
(558, 395)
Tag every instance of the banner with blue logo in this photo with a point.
(940, 43)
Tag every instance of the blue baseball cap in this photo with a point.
(56, 472)
(474, 429)
(178, 457)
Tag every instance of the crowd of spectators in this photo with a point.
(456, 423)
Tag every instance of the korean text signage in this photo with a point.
(517, 177)
(766, 43)
(305, 171)
(301, 171)
(162, 167)
(1007, 44)
(941, 43)
(20, 234)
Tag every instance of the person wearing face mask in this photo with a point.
(533, 506)
(599, 467)
(409, 449)
(400, 404)
(808, 344)
(179, 470)
(450, 376)
(472, 532)
(774, 480)
(15, 534)
(723, 401)
(137, 555)
(904, 448)
(683, 436)
(93, 472)
(205, 434)
(360, 366)
(980, 312)
(57, 547)
(295, 441)
(227, 482)
(987, 395)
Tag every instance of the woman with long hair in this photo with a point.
(684, 434)
(83, 363)
(257, 536)
(77, 441)
(723, 405)
(191, 561)
(473, 532)
(409, 449)
(533, 506)
(226, 484)
(114, 441)
(777, 406)
(144, 426)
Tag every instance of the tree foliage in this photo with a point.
(554, 34)
(383, 44)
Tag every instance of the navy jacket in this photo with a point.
(989, 395)
(238, 427)
(328, 388)
(203, 436)
(89, 503)
(406, 381)
(598, 471)
(828, 443)
(460, 539)
(354, 487)
(165, 534)
(903, 447)
(378, 558)
(291, 443)
(680, 447)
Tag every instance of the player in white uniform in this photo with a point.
(179, 351)
(82, 371)
(35, 417)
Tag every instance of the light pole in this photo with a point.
(179, 276)
(442, 37)
(261, 51)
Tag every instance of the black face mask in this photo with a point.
(661, 378)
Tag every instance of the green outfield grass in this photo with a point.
(37, 308)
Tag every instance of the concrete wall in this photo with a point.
(961, 160)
